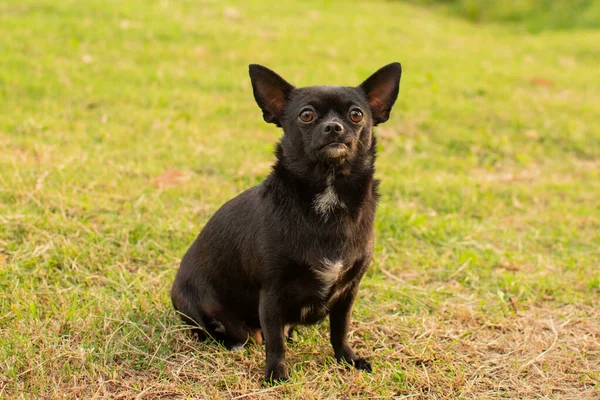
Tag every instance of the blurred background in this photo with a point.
(533, 15)
(125, 125)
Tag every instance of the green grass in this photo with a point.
(125, 125)
(533, 15)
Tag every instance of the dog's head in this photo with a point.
(327, 125)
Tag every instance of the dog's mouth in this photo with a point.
(335, 149)
(334, 145)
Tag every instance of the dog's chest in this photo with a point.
(313, 295)
(326, 274)
(328, 200)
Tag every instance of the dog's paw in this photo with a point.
(290, 333)
(278, 374)
(238, 348)
(358, 363)
(362, 364)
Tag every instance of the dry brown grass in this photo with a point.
(458, 352)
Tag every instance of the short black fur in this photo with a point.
(293, 249)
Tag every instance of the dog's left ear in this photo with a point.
(270, 92)
(382, 89)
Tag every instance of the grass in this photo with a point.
(125, 125)
(533, 15)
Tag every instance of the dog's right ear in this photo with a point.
(382, 89)
(270, 92)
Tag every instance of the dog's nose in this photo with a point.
(333, 127)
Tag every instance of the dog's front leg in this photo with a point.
(271, 322)
(339, 321)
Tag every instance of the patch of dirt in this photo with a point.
(171, 177)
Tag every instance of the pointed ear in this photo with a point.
(270, 92)
(382, 89)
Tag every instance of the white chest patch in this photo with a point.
(328, 200)
(328, 274)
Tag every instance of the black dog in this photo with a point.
(294, 248)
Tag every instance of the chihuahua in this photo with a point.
(293, 249)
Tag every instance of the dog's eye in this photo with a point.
(306, 115)
(356, 115)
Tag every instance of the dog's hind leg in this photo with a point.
(232, 331)
(186, 306)
(199, 309)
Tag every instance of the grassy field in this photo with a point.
(531, 15)
(125, 125)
